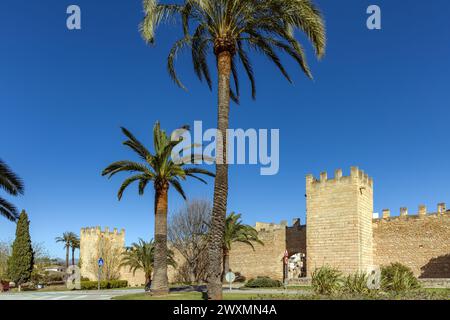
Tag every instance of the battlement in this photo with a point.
(97, 230)
(264, 226)
(356, 174)
(421, 212)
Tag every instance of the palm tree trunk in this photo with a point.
(67, 257)
(148, 280)
(160, 281)
(73, 256)
(221, 180)
(226, 263)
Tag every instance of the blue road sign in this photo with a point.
(100, 262)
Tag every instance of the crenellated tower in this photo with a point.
(90, 239)
(339, 221)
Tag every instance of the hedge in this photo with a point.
(263, 282)
(111, 284)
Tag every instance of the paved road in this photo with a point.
(68, 295)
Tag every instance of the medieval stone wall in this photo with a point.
(339, 232)
(265, 260)
(421, 242)
(296, 238)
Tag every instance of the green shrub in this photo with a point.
(398, 278)
(263, 282)
(356, 283)
(326, 280)
(111, 284)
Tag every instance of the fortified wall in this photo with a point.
(340, 231)
(420, 241)
(267, 259)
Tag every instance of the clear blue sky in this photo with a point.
(380, 100)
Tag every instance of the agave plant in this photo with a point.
(356, 283)
(397, 277)
(326, 280)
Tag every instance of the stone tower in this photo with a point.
(339, 221)
(89, 251)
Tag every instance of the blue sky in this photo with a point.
(380, 100)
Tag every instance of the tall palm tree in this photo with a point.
(67, 239)
(74, 244)
(229, 29)
(236, 231)
(13, 185)
(160, 169)
(141, 256)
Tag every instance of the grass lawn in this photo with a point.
(294, 287)
(424, 294)
(195, 296)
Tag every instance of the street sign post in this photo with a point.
(100, 265)
(286, 261)
(230, 277)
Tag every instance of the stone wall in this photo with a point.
(340, 232)
(296, 238)
(338, 218)
(421, 242)
(265, 260)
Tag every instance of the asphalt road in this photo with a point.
(68, 295)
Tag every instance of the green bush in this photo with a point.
(263, 282)
(397, 277)
(356, 284)
(111, 284)
(326, 280)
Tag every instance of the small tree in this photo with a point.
(236, 231)
(5, 253)
(68, 239)
(111, 253)
(141, 256)
(187, 233)
(74, 244)
(21, 262)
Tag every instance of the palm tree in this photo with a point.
(229, 29)
(141, 256)
(236, 231)
(13, 185)
(74, 244)
(163, 172)
(67, 239)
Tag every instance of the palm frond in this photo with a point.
(9, 181)
(266, 26)
(8, 210)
